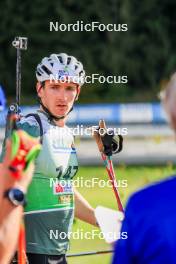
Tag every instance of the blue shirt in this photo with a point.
(150, 223)
(2, 99)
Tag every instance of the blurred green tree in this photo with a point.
(146, 53)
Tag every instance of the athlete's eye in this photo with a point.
(53, 87)
(71, 88)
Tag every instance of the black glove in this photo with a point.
(108, 143)
(112, 144)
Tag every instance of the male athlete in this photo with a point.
(52, 200)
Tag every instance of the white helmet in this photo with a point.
(60, 66)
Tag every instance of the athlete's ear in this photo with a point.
(39, 87)
(78, 92)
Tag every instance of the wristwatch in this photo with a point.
(15, 196)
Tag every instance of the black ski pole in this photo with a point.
(20, 43)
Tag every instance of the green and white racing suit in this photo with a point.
(50, 209)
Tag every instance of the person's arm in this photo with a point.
(130, 233)
(122, 247)
(83, 210)
(10, 215)
(1, 183)
(9, 230)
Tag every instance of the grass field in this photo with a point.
(136, 177)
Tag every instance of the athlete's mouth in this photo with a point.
(61, 106)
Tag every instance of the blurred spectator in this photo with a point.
(150, 217)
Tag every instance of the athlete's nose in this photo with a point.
(61, 94)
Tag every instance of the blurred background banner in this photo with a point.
(144, 127)
(118, 113)
(90, 114)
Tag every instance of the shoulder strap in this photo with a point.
(37, 117)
